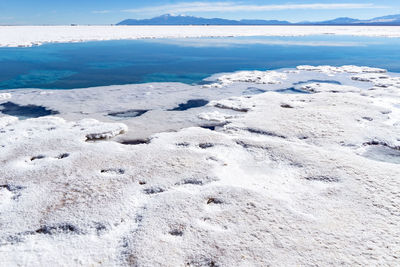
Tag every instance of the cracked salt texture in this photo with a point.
(290, 179)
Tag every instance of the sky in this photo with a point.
(59, 12)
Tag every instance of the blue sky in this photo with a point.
(113, 11)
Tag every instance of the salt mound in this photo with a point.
(328, 87)
(257, 77)
(215, 116)
(343, 69)
(5, 96)
(95, 130)
(232, 103)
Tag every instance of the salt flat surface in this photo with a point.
(285, 178)
(13, 36)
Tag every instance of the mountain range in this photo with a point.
(169, 19)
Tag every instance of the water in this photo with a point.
(79, 65)
(132, 113)
(25, 112)
(192, 103)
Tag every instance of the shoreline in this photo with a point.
(208, 80)
(26, 36)
(155, 100)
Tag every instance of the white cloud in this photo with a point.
(236, 7)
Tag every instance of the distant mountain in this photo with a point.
(263, 22)
(390, 17)
(169, 19)
(389, 20)
(190, 20)
(386, 20)
(338, 21)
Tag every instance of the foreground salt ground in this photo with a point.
(16, 36)
(285, 179)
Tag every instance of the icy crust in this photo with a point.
(286, 180)
(232, 103)
(342, 69)
(378, 80)
(86, 129)
(5, 96)
(215, 116)
(328, 87)
(257, 77)
(93, 130)
(13, 36)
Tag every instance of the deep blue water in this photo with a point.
(77, 65)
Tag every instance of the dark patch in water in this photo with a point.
(113, 171)
(183, 144)
(176, 232)
(192, 181)
(192, 103)
(131, 113)
(15, 189)
(286, 106)
(205, 145)
(203, 82)
(134, 142)
(100, 228)
(378, 143)
(238, 109)
(253, 91)
(292, 90)
(212, 127)
(197, 180)
(11, 188)
(153, 190)
(38, 157)
(63, 156)
(263, 132)
(367, 118)
(322, 178)
(65, 228)
(26, 112)
(61, 228)
(203, 262)
(318, 81)
(243, 144)
(12, 239)
(139, 218)
(213, 200)
(381, 151)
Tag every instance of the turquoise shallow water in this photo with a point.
(79, 65)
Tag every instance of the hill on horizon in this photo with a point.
(168, 19)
